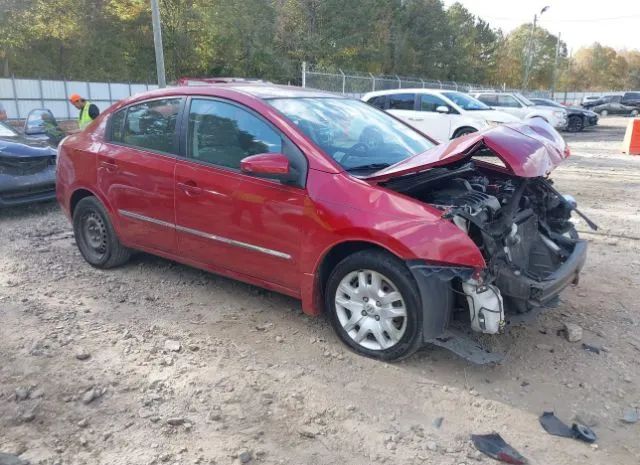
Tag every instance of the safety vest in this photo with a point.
(84, 119)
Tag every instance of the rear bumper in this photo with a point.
(534, 293)
(22, 189)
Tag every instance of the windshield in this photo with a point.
(354, 134)
(466, 102)
(524, 100)
(6, 131)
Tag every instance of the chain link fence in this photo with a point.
(356, 85)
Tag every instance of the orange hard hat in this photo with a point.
(75, 98)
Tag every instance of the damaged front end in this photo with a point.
(521, 225)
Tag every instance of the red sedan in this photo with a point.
(400, 241)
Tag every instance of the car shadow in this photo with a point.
(28, 210)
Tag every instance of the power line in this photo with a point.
(583, 20)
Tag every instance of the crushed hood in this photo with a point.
(528, 150)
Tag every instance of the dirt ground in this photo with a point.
(156, 362)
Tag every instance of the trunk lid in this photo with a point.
(528, 150)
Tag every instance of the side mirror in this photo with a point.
(267, 165)
(442, 109)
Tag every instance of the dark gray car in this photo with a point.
(28, 162)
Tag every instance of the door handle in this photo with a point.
(190, 188)
(413, 118)
(109, 165)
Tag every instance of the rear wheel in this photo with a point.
(634, 113)
(374, 305)
(463, 132)
(576, 124)
(95, 235)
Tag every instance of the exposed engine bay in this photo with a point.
(522, 228)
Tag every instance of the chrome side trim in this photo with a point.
(137, 216)
(205, 235)
(225, 240)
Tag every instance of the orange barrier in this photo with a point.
(631, 143)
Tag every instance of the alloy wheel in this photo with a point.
(371, 310)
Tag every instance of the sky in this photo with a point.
(615, 23)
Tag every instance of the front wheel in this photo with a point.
(576, 124)
(374, 306)
(95, 235)
(634, 113)
(604, 113)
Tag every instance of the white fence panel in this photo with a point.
(119, 91)
(98, 91)
(53, 90)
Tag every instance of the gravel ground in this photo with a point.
(156, 362)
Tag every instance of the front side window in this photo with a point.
(223, 134)
(466, 102)
(489, 99)
(401, 101)
(152, 125)
(508, 101)
(356, 136)
(431, 102)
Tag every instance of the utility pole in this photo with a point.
(157, 43)
(530, 50)
(555, 68)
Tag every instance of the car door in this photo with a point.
(228, 219)
(510, 104)
(135, 172)
(403, 106)
(431, 122)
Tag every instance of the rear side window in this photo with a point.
(431, 102)
(631, 96)
(378, 101)
(117, 125)
(223, 134)
(152, 125)
(401, 101)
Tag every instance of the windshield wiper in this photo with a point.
(370, 166)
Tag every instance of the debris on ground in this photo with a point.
(630, 416)
(590, 348)
(10, 459)
(553, 425)
(572, 332)
(172, 345)
(497, 448)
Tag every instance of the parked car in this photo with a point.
(27, 168)
(520, 106)
(578, 118)
(614, 105)
(332, 201)
(588, 99)
(631, 99)
(442, 114)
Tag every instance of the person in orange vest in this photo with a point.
(88, 111)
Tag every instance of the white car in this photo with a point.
(590, 98)
(520, 106)
(440, 114)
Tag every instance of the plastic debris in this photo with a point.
(590, 348)
(630, 416)
(553, 425)
(495, 447)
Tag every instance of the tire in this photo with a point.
(96, 237)
(604, 113)
(634, 113)
(576, 124)
(389, 328)
(463, 132)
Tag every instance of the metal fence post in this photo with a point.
(304, 74)
(41, 92)
(344, 81)
(110, 96)
(373, 82)
(421, 80)
(129, 88)
(399, 82)
(15, 95)
(455, 84)
(89, 91)
(66, 98)
(440, 83)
